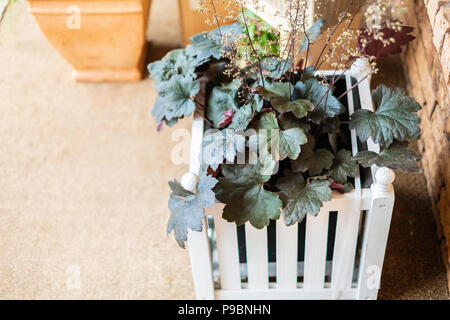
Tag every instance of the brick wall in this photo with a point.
(427, 70)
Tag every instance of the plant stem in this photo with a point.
(353, 87)
(251, 45)
(317, 65)
(216, 19)
(201, 114)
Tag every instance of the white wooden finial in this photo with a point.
(189, 181)
(385, 178)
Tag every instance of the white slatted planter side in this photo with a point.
(376, 201)
(257, 258)
(227, 248)
(316, 250)
(287, 248)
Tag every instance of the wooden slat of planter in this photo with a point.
(354, 139)
(345, 248)
(227, 248)
(257, 257)
(316, 250)
(287, 250)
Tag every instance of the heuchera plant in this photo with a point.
(249, 76)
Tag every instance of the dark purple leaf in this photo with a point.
(371, 47)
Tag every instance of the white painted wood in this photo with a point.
(316, 250)
(198, 243)
(376, 235)
(353, 137)
(345, 201)
(275, 294)
(345, 247)
(257, 257)
(273, 272)
(198, 126)
(228, 251)
(287, 251)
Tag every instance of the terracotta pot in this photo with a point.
(103, 40)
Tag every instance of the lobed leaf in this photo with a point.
(394, 118)
(246, 200)
(378, 43)
(178, 98)
(300, 199)
(326, 105)
(344, 166)
(222, 99)
(289, 141)
(211, 44)
(314, 161)
(220, 145)
(279, 95)
(187, 207)
(398, 156)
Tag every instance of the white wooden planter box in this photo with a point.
(359, 240)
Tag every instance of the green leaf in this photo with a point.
(246, 200)
(187, 207)
(210, 45)
(312, 33)
(275, 68)
(308, 73)
(314, 161)
(279, 95)
(289, 141)
(242, 118)
(326, 105)
(331, 125)
(244, 114)
(179, 93)
(344, 166)
(220, 145)
(257, 102)
(159, 109)
(222, 98)
(300, 199)
(265, 38)
(176, 62)
(395, 118)
(398, 156)
(288, 121)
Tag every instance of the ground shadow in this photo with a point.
(155, 52)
